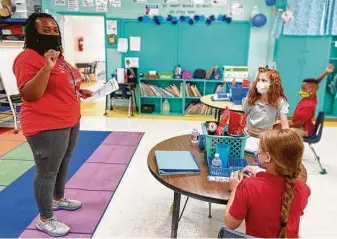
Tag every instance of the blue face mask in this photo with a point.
(256, 160)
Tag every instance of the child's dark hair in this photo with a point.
(31, 33)
(311, 80)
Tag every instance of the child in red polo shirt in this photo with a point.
(271, 202)
(306, 108)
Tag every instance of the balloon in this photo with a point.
(259, 20)
(281, 4)
(270, 3)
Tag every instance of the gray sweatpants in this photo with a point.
(52, 150)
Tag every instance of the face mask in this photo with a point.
(48, 42)
(256, 160)
(304, 94)
(262, 87)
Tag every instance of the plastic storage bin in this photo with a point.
(234, 164)
(236, 143)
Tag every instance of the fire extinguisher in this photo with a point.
(80, 44)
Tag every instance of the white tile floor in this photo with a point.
(140, 206)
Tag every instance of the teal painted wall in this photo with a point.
(261, 41)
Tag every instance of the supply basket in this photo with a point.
(236, 143)
(234, 164)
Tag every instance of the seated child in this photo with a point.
(266, 102)
(270, 202)
(306, 108)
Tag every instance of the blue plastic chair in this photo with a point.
(228, 233)
(316, 137)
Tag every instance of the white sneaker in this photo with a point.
(66, 204)
(52, 227)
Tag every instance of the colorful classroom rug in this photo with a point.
(96, 168)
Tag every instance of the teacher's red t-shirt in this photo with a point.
(59, 107)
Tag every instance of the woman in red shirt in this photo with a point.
(271, 202)
(50, 116)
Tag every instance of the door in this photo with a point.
(316, 59)
(289, 60)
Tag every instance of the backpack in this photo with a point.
(199, 74)
(186, 74)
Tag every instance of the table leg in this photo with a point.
(175, 214)
(209, 210)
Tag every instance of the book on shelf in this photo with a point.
(198, 109)
(219, 88)
(192, 90)
(153, 90)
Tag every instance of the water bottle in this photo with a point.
(216, 161)
(195, 136)
(166, 107)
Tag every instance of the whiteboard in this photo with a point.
(7, 57)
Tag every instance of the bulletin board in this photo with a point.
(197, 46)
(158, 45)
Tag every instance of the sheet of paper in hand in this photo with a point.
(108, 88)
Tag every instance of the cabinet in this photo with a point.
(298, 58)
(330, 103)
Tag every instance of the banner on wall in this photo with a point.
(115, 3)
(139, 1)
(219, 2)
(151, 10)
(198, 1)
(73, 5)
(60, 2)
(101, 6)
(170, 1)
(88, 3)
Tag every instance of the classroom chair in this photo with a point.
(14, 102)
(228, 233)
(126, 91)
(316, 137)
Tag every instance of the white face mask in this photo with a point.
(262, 87)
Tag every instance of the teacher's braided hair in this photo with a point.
(285, 148)
(31, 33)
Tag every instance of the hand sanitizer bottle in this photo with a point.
(166, 107)
(216, 161)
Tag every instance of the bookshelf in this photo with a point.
(12, 31)
(178, 104)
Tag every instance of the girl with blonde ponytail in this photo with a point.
(273, 201)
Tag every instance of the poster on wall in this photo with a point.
(123, 45)
(131, 62)
(236, 9)
(111, 31)
(135, 43)
(73, 5)
(219, 2)
(101, 6)
(60, 2)
(115, 3)
(151, 10)
(88, 3)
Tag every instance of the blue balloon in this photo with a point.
(259, 20)
(146, 18)
(270, 3)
